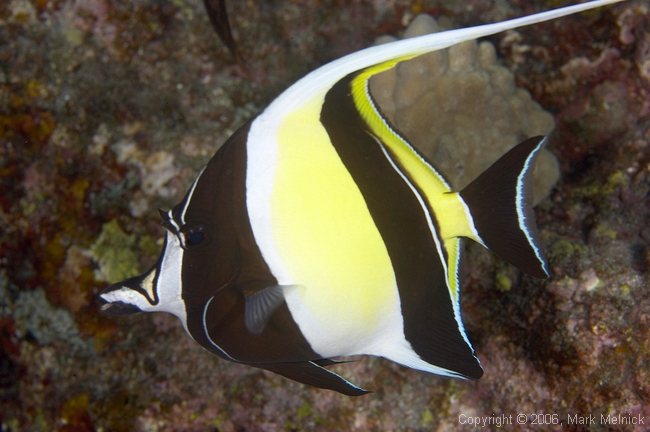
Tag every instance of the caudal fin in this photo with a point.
(501, 203)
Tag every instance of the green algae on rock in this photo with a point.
(115, 253)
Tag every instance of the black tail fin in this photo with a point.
(501, 203)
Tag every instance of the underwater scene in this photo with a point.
(442, 226)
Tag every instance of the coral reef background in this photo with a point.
(109, 108)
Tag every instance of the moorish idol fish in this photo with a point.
(218, 16)
(317, 231)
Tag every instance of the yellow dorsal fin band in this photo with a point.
(426, 183)
(451, 213)
(448, 209)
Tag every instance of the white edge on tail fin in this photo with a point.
(523, 225)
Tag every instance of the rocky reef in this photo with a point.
(108, 109)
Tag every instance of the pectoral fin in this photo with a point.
(261, 305)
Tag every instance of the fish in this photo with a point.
(218, 15)
(318, 233)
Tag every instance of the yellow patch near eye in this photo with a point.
(324, 232)
(147, 285)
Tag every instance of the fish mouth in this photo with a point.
(115, 308)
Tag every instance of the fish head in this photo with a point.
(201, 255)
(157, 290)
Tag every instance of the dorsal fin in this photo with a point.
(501, 203)
(322, 79)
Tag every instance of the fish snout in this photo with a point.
(115, 308)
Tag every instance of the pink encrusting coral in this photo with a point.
(96, 98)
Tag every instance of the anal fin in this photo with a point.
(329, 362)
(314, 375)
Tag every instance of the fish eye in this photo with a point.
(194, 235)
(195, 238)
